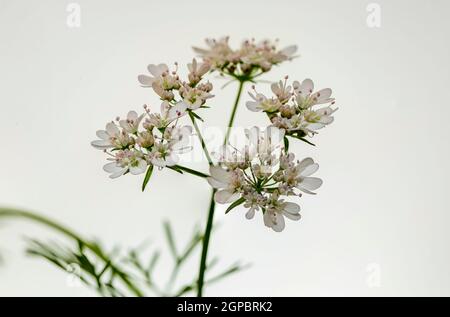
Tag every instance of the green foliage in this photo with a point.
(147, 176)
(119, 272)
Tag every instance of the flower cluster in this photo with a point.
(155, 139)
(261, 175)
(134, 143)
(292, 107)
(192, 94)
(249, 60)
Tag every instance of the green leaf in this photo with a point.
(196, 116)
(147, 176)
(235, 204)
(286, 144)
(175, 168)
(170, 239)
(302, 139)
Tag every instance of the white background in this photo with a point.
(384, 161)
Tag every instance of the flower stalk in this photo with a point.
(212, 203)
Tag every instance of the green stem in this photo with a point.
(9, 212)
(200, 137)
(206, 237)
(212, 205)
(233, 112)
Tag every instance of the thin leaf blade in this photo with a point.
(147, 176)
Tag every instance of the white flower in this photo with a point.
(298, 175)
(262, 103)
(248, 60)
(112, 137)
(277, 210)
(317, 119)
(218, 53)
(305, 96)
(194, 98)
(293, 109)
(169, 113)
(162, 81)
(175, 142)
(126, 161)
(282, 91)
(259, 174)
(196, 71)
(286, 53)
(228, 183)
(131, 123)
(157, 71)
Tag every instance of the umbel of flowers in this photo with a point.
(262, 176)
(295, 108)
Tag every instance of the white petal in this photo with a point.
(294, 217)
(111, 167)
(101, 144)
(118, 173)
(250, 213)
(253, 106)
(157, 70)
(290, 50)
(145, 80)
(268, 219)
(177, 111)
(225, 196)
(132, 115)
(291, 208)
(326, 120)
(307, 87)
(102, 134)
(322, 95)
(279, 224)
(315, 126)
(136, 170)
(215, 183)
(305, 162)
(220, 174)
(112, 129)
(158, 162)
(309, 170)
(310, 183)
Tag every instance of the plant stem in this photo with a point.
(212, 204)
(200, 137)
(206, 237)
(9, 212)
(233, 112)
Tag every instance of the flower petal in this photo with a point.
(250, 213)
(101, 144)
(215, 183)
(306, 87)
(112, 129)
(225, 196)
(145, 80)
(220, 174)
(278, 224)
(310, 183)
(309, 170)
(102, 134)
(294, 217)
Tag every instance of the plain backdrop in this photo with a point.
(383, 211)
